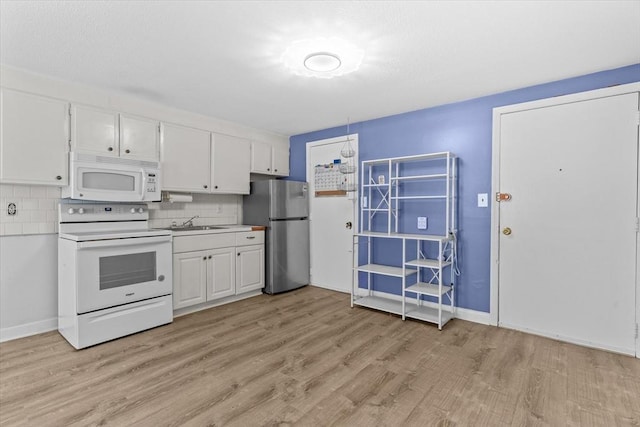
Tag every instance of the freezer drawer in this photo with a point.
(287, 255)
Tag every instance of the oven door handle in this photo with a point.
(132, 241)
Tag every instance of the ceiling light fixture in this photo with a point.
(322, 58)
(322, 62)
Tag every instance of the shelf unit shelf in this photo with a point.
(420, 275)
(387, 270)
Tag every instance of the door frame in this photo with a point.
(353, 137)
(495, 185)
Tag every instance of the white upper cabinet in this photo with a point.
(139, 137)
(108, 133)
(185, 155)
(268, 159)
(34, 141)
(260, 158)
(94, 131)
(280, 161)
(230, 164)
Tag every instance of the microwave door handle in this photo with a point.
(143, 186)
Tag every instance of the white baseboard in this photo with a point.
(33, 328)
(559, 337)
(460, 313)
(331, 288)
(222, 301)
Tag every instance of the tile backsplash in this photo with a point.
(37, 210)
(211, 209)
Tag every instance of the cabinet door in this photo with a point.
(280, 161)
(231, 164)
(260, 158)
(185, 156)
(94, 131)
(222, 273)
(189, 278)
(139, 138)
(34, 139)
(249, 268)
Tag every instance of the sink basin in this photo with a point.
(196, 228)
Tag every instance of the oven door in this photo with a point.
(119, 271)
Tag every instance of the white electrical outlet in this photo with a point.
(422, 223)
(483, 200)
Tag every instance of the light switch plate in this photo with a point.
(422, 223)
(483, 200)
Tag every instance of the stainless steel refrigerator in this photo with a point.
(283, 207)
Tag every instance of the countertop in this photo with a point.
(218, 229)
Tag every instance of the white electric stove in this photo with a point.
(114, 273)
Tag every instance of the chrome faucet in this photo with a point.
(189, 222)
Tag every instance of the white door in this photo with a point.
(249, 268)
(189, 278)
(139, 138)
(331, 237)
(38, 126)
(182, 146)
(231, 164)
(221, 272)
(94, 131)
(567, 243)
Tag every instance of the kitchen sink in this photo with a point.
(195, 228)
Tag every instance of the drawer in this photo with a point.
(244, 238)
(203, 242)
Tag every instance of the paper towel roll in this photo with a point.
(179, 198)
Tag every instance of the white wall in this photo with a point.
(28, 285)
(28, 243)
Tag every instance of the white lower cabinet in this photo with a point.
(189, 278)
(250, 268)
(221, 273)
(208, 267)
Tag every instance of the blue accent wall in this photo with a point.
(464, 128)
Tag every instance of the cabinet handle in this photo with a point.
(209, 256)
(275, 170)
(58, 177)
(205, 186)
(268, 169)
(127, 151)
(251, 237)
(110, 149)
(204, 258)
(215, 186)
(238, 253)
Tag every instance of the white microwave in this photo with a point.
(112, 179)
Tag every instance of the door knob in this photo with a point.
(348, 225)
(506, 231)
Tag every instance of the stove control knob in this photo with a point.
(133, 210)
(71, 211)
(141, 210)
(81, 210)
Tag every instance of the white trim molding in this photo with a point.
(28, 329)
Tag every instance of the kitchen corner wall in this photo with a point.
(28, 240)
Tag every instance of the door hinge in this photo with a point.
(636, 331)
(637, 225)
(503, 197)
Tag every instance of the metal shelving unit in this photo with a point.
(382, 194)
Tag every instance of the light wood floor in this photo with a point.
(306, 358)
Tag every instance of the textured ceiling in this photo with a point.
(222, 59)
